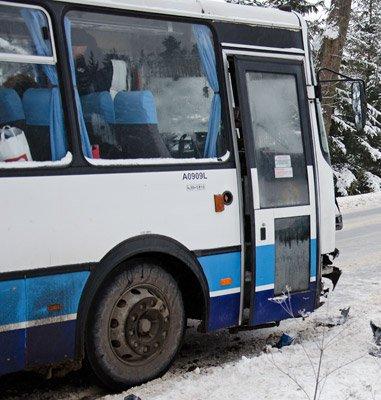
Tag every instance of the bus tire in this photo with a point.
(135, 326)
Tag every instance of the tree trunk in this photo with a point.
(331, 51)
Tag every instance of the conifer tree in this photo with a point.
(356, 156)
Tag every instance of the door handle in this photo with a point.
(263, 233)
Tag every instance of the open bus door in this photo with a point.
(278, 174)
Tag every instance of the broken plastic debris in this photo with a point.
(376, 333)
(376, 349)
(285, 340)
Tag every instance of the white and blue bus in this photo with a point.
(160, 160)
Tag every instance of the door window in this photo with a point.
(278, 144)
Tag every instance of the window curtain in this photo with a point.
(35, 21)
(86, 146)
(209, 67)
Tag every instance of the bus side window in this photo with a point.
(148, 88)
(31, 119)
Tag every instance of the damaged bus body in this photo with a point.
(160, 160)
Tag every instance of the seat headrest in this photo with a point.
(135, 108)
(98, 103)
(37, 106)
(11, 108)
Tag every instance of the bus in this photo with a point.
(160, 160)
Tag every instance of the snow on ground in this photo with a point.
(360, 202)
(354, 373)
(267, 373)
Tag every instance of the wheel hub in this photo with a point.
(139, 324)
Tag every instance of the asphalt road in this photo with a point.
(361, 236)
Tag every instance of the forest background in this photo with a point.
(346, 37)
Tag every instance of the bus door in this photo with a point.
(276, 157)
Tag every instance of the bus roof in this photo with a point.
(207, 9)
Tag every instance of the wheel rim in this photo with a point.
(139, 324)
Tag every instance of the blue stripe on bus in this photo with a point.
(50, 344)
(268, 310)
(12, 301)
(12, 351)
(265, 265)
(63, 289)
(219, 266)
(27, 300)
(313, 258)
(224, 311)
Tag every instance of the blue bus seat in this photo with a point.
(36, 104)
(11, 109)
(99, 115)
(98, 103)
(137, 125)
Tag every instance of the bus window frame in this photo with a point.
(157, 164)
(22, 57)
(30, 167)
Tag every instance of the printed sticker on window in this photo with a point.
(283, 161)
(283, 167)
(284, 173)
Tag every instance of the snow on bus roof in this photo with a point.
(207, 9)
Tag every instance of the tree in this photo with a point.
(347, 39)
(356, 157)
(302, 6)
(331, 51)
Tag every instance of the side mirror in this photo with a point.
(359, 104)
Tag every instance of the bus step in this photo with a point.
(244, 328)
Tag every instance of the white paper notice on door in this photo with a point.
(284, 173)
(283, 167)
(283, 161)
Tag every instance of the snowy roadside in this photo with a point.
(269, 373)
(260, 377)
(368, 201)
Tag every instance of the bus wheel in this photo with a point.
(135, 327)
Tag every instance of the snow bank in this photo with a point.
(360, 202)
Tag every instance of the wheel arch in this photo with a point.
(174, 257)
